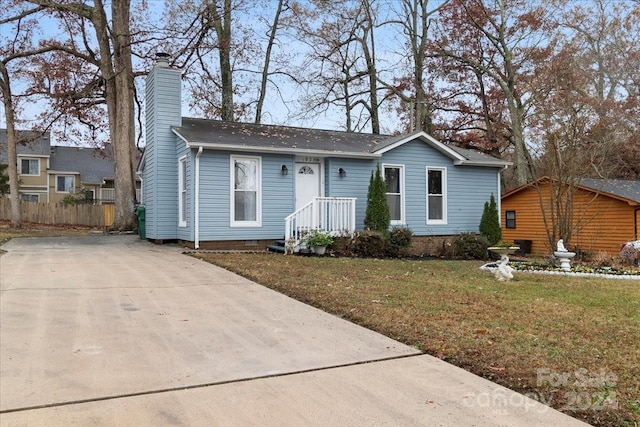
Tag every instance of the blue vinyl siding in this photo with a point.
(215, 193)
(355, 184)
(161, 169)
(468, 187)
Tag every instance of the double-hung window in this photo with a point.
(182, 192)
(436, 195)
(510, 219)
(65, 183)
(29, 166)
(246, 189)
(394, 180)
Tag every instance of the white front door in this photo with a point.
(307, 183)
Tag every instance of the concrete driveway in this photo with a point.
(110, 330)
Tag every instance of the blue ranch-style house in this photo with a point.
(222, 185)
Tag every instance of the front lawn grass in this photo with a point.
(573, 343)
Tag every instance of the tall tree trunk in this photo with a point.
(114, 59)
(370, 58)
(12, 155)
(516, 113)
(522, 163)
(267, 60)
(124, 131)
(118, 78)
(222, 25)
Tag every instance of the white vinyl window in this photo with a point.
(29, 166)
(394, 179)
(436, 195)
(182, 192)
(246, 189)
(65, 183)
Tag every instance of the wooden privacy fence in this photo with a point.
(56, 213)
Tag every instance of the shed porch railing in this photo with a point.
(336, 215)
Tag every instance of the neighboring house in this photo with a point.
(219, 184)
(606, 213)
(75, 168)
(49, 173)
(33, 163)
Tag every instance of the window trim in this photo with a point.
(182, 191)
(401, 179)
(73, 177)
(444, 220)
(507, 219)
(232, 206)
(35, 159)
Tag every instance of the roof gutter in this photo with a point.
(196, 214)
(249, 149)
(482, 164)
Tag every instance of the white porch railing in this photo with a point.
(336, 215)
(108, 195)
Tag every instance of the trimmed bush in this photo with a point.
(471, 246)
(398, 242)
(367, 243)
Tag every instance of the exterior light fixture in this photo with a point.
(342, 173)
(284, 170)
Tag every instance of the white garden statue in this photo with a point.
(560, 246)
(503, 271)
(564, 255)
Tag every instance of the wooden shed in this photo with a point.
(606, 213)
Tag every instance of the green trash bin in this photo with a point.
(141, 212)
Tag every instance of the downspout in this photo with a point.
(196, 214)
(635, 224)
(499, 201)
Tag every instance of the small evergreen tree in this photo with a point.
(490, 222)
(377, 216)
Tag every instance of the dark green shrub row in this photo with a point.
(395, 243)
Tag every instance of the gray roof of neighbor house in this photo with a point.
(626, 188)
(256, 137)
(37, 145)
(94, 165)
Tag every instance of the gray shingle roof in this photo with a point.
(38, 147)
(277, 137)
(93, 164)
(478, 156)
(254, 136)
(626, 188)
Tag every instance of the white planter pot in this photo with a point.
(320, 250)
